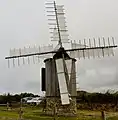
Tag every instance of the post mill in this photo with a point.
(59, 74)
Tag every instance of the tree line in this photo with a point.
(82, 97)
(7, 98)
(97, 101)
(102, 98)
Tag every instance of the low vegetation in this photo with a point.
(89, 107)
(35, 113)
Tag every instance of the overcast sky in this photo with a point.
(24, 22)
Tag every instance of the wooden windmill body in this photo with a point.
(59, 81)
(53, 94)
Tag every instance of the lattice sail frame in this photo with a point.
(93, 48)
(57, 22)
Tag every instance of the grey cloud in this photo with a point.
(99, 73)
(23, 24)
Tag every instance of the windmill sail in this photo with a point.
(90, 51)
(62, 82)
(31, 50)
(58, 24)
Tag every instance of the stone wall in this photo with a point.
(53, 105)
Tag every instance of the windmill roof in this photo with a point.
(59, 54)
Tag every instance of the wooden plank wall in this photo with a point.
(52, 86)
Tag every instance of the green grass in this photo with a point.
(35, 114)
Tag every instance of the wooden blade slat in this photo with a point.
(62, 82)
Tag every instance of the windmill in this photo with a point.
(59, 74)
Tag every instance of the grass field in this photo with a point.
(33, 113)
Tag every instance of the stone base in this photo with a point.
(54, 106)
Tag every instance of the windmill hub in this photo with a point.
(61, 53)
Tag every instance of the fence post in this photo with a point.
(7, 106)
(103, 115)
(21, 111)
